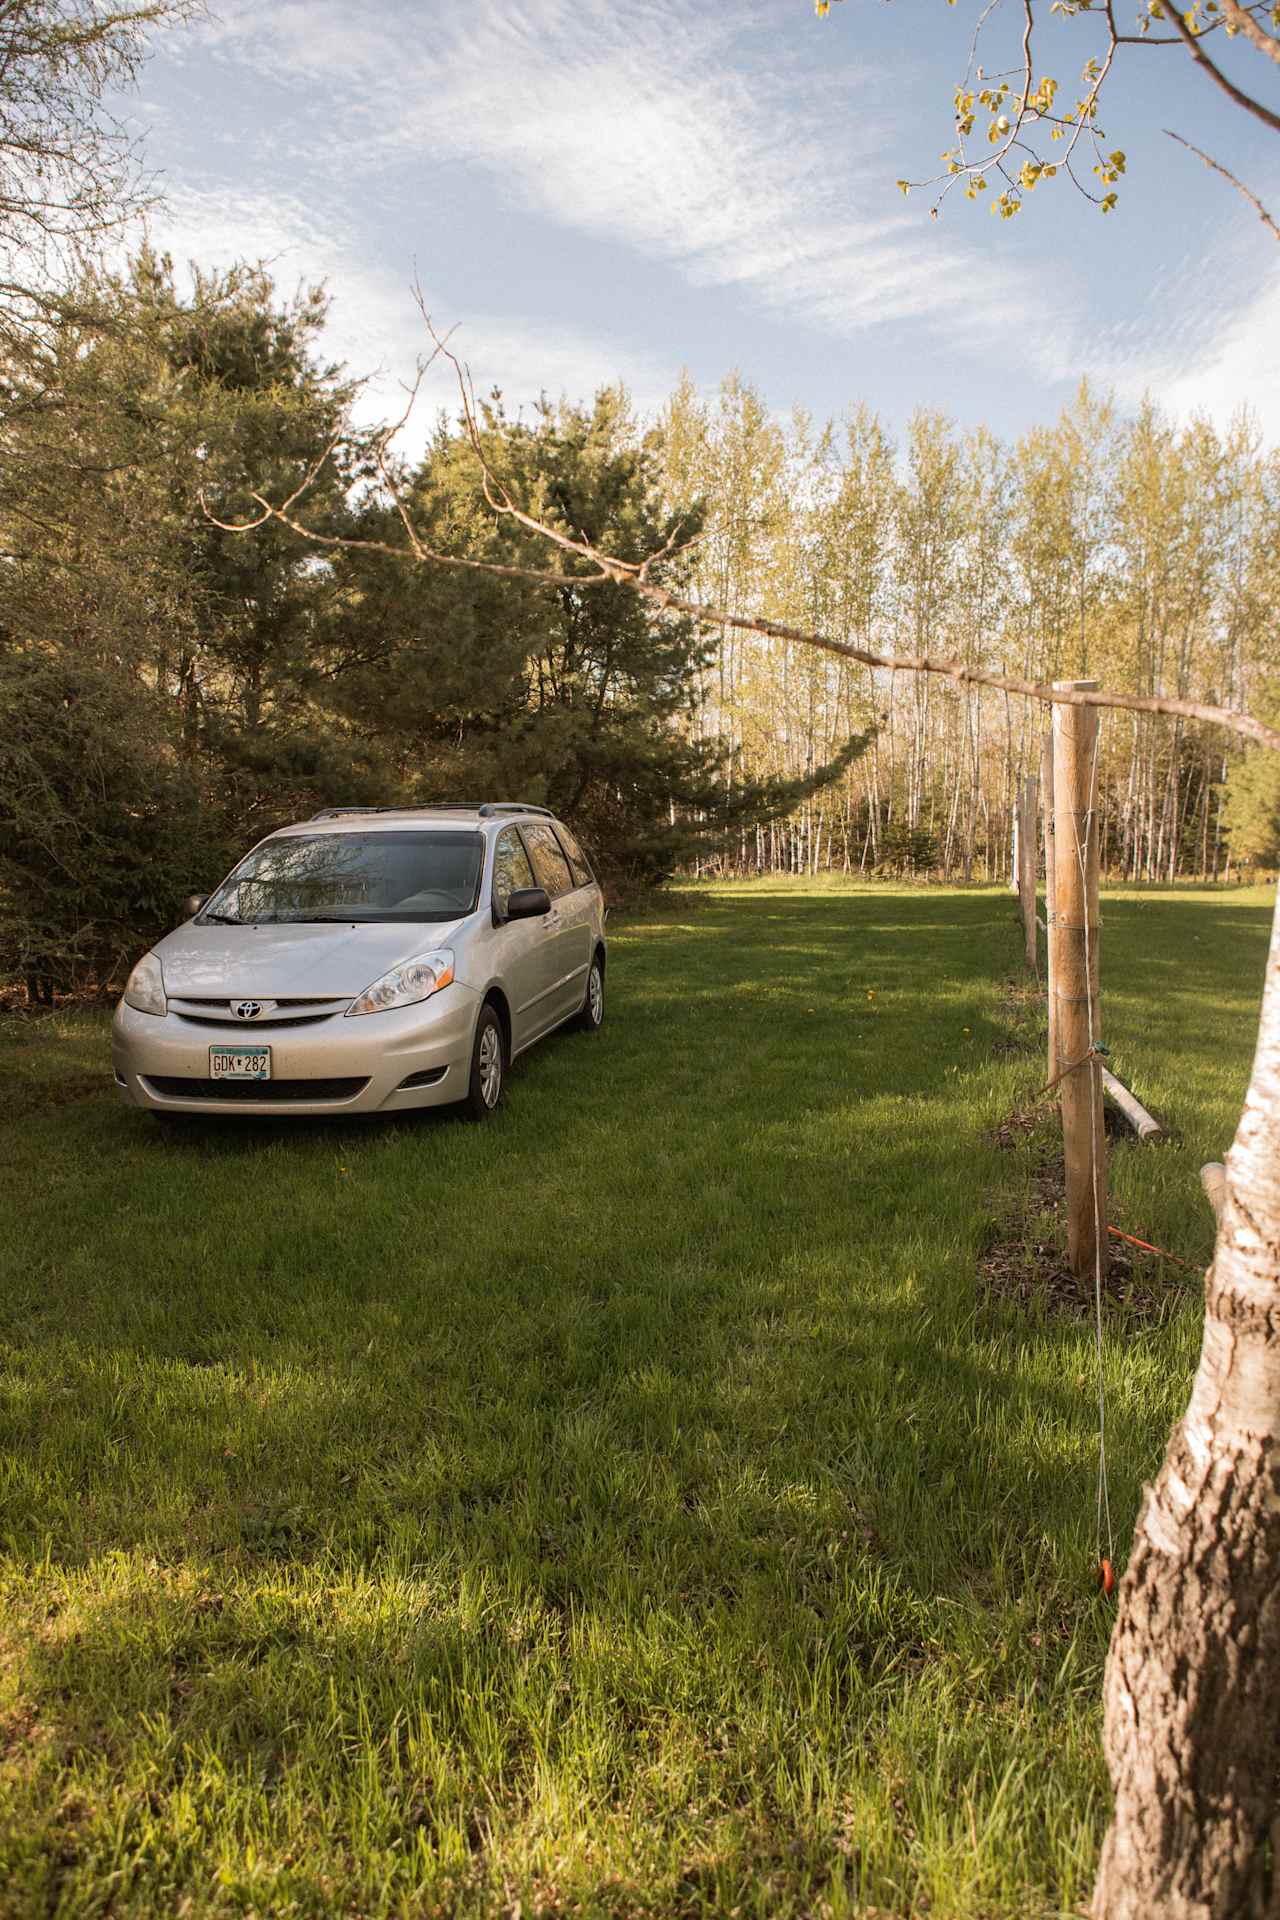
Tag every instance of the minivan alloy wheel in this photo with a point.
(488, 1058)
(591, 1014)
(490, 1066)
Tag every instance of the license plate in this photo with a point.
(239, 1063)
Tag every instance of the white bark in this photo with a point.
(1193, 1677)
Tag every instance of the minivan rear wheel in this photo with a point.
(488, 1067)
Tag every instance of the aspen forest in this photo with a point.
(1122, 547)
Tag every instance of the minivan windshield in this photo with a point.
(352, 877)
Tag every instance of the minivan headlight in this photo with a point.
(144, 989)
(404, 986)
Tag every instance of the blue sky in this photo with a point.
(596, 191)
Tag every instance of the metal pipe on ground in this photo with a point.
(1144, 1124)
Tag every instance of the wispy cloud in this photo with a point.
(677, 134)
(643, 125)
(1203, 339)
(1230, 366)
(374, 326)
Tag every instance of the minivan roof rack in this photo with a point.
(514, 806)
(483, 807)
(444, 806)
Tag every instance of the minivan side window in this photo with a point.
(549, 863)
(511, 869)
(582, 875)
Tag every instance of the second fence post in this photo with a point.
(1046, 790)
(1075, 974)
(1027, 866)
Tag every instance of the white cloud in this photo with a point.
(374, 326)
(637, 125)
(647, 126)
(1204, 339)
(1237, 367)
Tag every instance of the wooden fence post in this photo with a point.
(1027, 865)
(1050, 898)
(1074, 937)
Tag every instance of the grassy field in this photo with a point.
(634, 1506)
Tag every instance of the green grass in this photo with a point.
(624, 1508)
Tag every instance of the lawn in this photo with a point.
(634, 1506)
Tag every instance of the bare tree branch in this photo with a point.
(1239, 185)
(69, 172)
(426, 554)
(956, 670)
(609, 568)
(1191, 39)
(1257, 35)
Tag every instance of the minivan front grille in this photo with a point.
(175, 1087)
(274, 1013)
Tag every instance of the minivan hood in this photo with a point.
(291, 962)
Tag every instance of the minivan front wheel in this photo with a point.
(488, 1065)
(592, 1015)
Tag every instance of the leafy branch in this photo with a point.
(1026, 135)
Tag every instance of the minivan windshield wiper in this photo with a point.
(435, 918)
(226, 919)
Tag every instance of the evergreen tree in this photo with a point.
(583, 697)
(153, 671)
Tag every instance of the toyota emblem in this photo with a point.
(247, 1009)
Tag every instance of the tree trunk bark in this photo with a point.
(1192, 1694)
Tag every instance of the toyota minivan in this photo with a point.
(369, 960)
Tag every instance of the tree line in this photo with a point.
(170, 689)
(1132, 550)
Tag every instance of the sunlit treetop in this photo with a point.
(1019, 127)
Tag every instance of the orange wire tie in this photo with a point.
(1147, 1247)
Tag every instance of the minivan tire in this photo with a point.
(591, 1018)
(488, 1067)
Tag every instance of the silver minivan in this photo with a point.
(369, 960)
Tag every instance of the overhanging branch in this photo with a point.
(609, 568)
(1227, 174)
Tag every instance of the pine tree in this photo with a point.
(583, 697)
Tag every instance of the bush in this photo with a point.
(907, 850)
(99, 821)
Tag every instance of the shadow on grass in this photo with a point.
(731, 1242)
(747, 1165)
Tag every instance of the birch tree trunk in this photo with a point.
(1192, 1694)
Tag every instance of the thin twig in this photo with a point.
(542, 576)
(1239, 185)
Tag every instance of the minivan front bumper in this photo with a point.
(344, 1064)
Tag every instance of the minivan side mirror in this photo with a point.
(527, 903)
(192, 905)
